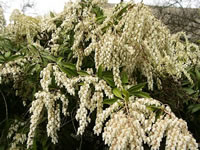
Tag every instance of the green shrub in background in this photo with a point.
(70, 76)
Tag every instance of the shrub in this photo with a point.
(85, 65)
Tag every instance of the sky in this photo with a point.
(44, 6)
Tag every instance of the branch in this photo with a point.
(6, 106)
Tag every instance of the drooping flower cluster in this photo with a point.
(17, 138)
(2, 20)
(90, 101)
(134, 125)
(23, 27)
(47, 99)
(11, 70)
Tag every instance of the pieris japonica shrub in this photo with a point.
(101, 62)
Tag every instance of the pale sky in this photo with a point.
(44, 6)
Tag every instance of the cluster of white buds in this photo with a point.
(14, 128)
(90, 101)
(134, 125)
(47, 99)
(101, 118)
(81, 115)
(2, 20)
(62, 80)
(22, 25)
(45, 74)
(11, 70)
(102, 85)
(122, 132)
(17, 138)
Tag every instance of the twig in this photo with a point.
(6, 106)
(80, 146)
(73, 119)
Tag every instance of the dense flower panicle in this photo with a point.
(23, 26)
(36, 109)
(107, 89)
(126, 129)
(89, 101)
(47, 99)
(101, 118)
(18, 138)
(14, 128)
(11, 70)
(2, 20)
(63, 81)
(45, 74)
(81, 115)
(121, 131)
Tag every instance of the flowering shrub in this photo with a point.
(99, 64)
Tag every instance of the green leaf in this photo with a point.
(34, 146)
(140, 94)
(185, 82)
(15, 57)
(153, 107)
(68, 65)
(109, 81)
(123, 10)
(70, 73)
(126, 94)
(2, 147)
(70, 55)
(100, 70)
(7, 54)
(124, 77)
(197, 73)
(107, 74)
(33, 49)
(49, 57)
(98, 11)
(117, 93)
(2, 59)
(189, 91)
(82, 73)
(104, 29)
(197, 78)
(158, 114)
(100, 19)
(110, 101)
(81, 83)
(59, 59)
(137, 87)
(52, 14)
(194, 108)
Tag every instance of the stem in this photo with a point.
(6, 106)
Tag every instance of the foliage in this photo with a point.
(67, 73)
